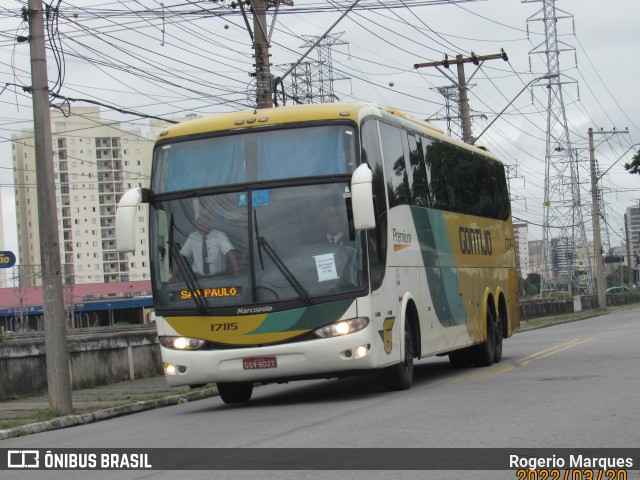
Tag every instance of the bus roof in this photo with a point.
(264, 117)
(254, 118)
(282, 115)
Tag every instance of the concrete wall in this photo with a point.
(96, 356)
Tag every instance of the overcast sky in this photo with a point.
(130, 55)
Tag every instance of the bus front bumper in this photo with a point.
(277, 362)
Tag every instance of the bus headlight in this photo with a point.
(181, 343)
(343, 327)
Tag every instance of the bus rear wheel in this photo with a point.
(400, 376)
(484, 353)
(497, 355)
(235, 392)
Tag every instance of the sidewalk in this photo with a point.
(32, 414)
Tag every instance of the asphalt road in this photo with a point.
(575, 385)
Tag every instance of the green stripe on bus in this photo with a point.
(438, 260)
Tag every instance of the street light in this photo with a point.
(548, 76)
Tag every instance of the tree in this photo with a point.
(530, 286)
(634, 166)
(534, 279)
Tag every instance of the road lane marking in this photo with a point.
(485, 373)
(553, 350)
(499, 369)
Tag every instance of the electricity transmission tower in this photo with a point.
(564, 233)
(451, 96)
(312, 82)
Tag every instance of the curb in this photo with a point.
(90, 417)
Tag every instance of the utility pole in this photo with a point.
(261, 39)
(464, 102)
(595, 209)
(451, 95)
(58, 371)
(595, 212)
(461, 83)
(264, 90)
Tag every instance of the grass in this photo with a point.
(96, 382)
(31, 416)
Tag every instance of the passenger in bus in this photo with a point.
(334, 233)
(208, 249)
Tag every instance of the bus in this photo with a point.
(423, 263)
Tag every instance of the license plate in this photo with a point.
(259, 362)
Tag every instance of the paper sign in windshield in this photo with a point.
(326, 266)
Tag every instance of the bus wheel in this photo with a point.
(484, 353)
(400, 376)
(236, 392)
(497, 354)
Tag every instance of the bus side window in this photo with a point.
(420, 187)
(394, 151)
(439, 160)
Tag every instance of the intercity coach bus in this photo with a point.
(322, 241)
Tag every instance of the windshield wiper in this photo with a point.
(275, 258)
(255, 224)
(189, 278)
(293, 281)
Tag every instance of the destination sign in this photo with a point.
(219, 292)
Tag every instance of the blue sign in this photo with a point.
(7, 259)
(259, 198)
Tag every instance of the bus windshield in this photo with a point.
(259, 243)
(254, 157)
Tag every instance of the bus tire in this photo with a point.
(400, 375)
(497, 353)
(235, 392)
(484, 353)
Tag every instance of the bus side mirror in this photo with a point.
(362, 198)
(126, 220)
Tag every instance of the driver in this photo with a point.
(208, 249)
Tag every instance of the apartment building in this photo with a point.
(521, 236)
(535, 256)
(633, 226)
(95, 161)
